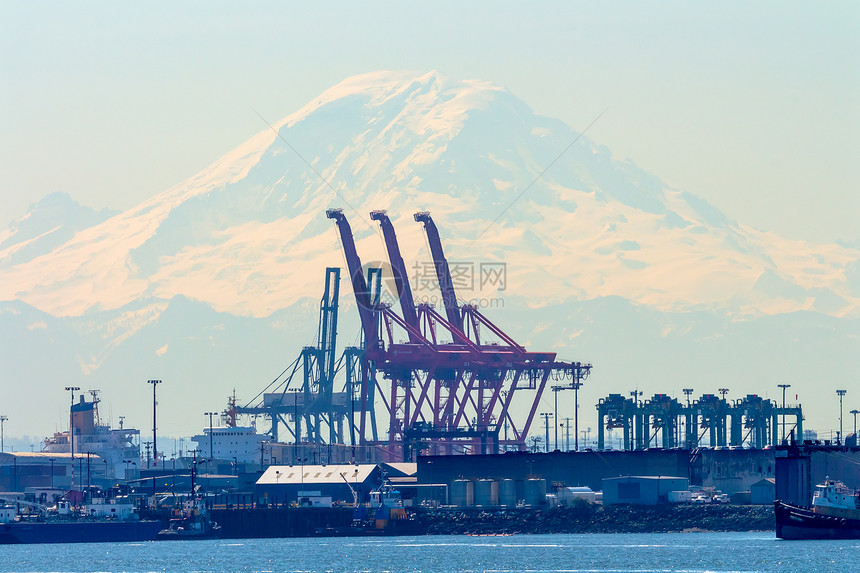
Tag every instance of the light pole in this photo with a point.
(855, 412)
(505, 410)
(576, 386)
(2, 445)
(71, 390)
(783, 386)
(52, 472)
(687, 393)
(154, 445)
(555, 391)
(297, 429)
(840, 393)
(546, 417)
(211, 453)
(567, 434)
(635, 431)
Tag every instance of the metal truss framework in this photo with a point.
(445, 389)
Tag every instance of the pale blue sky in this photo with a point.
(753, 106)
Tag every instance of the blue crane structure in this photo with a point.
(313, 404)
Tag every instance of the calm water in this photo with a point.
(691, 552)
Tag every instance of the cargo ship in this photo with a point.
(88, 525)
(835, 514)
(78, 531)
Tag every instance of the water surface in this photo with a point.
(683, 552)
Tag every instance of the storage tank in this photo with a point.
(567, 495)
(486, 493)
(535, 492)
(508, 493)
(462, 493)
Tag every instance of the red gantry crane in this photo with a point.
(448, 391)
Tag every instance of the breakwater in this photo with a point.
(579, 518)
(599, 519)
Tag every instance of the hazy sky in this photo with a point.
(753, 106)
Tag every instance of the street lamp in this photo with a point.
(635, 431)
(555, 391)
(855, 412)
(840, 393)
(546, 416)
(295, 392)
(576, 386)
(2, 419)
(505, 414)
(687, 393)
(127, 463)
(211, 449)
(783, 386)
(71, 390)
(154, 444)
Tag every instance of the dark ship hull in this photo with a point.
(79, 531)
(795, 522)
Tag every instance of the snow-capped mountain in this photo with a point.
(247, 238)
(48, 224)
(590, 226)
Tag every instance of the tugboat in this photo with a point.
(835, 514)
(389, 515)
(384, 515)
(192, 520)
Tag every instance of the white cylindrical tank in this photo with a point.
(463, 493)
(508, 493)
(535, 492)
(486, 493)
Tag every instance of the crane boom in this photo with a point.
(359, 284)
(398, 268)
(443, 273)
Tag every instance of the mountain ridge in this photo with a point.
(462, 150)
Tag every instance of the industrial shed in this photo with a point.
(283, 484)
(763, 492)
(641, 490)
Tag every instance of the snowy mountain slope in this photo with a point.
(48, 224)
(246, 234)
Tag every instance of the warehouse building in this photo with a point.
(642, 490)
(290, 484)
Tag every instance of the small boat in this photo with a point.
(191, 521)
(835, 514)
